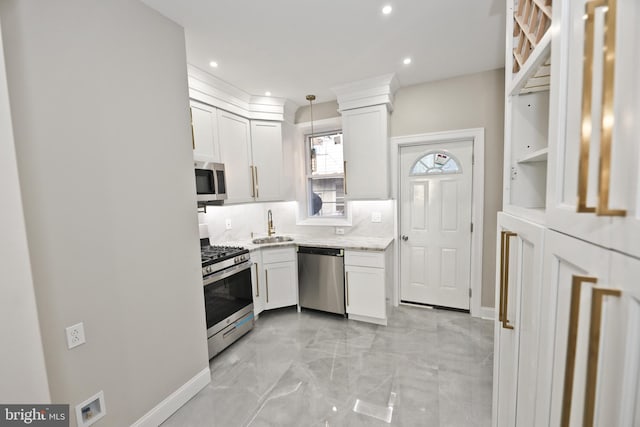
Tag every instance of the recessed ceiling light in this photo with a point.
(387, 9)
(213, 64)
(406, 61)
(267, 93)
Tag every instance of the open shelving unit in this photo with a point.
(527, 83)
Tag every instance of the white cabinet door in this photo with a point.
(572, 269)
(593, 157)
(365, 291)
(519, 279)
(235, 152)
(266, 146)
(366, 152)
(257, 283)
(204, 122)
(281, 284)
(616, 398)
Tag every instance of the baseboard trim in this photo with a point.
(488, 313)
(377, 321)
(175, 400)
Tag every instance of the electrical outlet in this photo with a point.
(339, 230)
(228, 223)
(376, 217)
(75, 335)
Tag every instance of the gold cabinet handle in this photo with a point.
(501, 308)
(572, 340)
(257, 281)
(347, 283)
(257, 185)
(193, 135)
(344, 182)
(253, 183)
(505, 286)
(266, 279)
(607, 114)
(597, 296)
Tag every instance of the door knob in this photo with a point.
(405, 237)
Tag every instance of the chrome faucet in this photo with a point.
(271, 230)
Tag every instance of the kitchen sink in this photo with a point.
(272, 239)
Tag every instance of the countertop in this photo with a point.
(342, 242)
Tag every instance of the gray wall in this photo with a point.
(475, 100)
(99, 105)
(23, 372)
(323, 110)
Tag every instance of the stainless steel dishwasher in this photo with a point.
(321, 279)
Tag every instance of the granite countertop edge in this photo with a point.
(375, 244)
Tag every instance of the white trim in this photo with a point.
(213, 91)
(175, 400)
(368, 319)
(488, 313)
(366, 93)
(476, 135)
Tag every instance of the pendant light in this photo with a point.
(312, 98)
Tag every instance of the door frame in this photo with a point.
(476, 136)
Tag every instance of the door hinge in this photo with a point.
(472, 227)
(469, 292)
(473, 159)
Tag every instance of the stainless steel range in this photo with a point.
(228, 297)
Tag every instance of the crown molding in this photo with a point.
(365, 93)
(213, 91)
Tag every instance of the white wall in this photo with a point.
(252, 218)
(474, 100)
(99, 101)
(23, 372)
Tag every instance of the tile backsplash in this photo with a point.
(252, 218)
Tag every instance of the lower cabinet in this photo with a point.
(278, 278)
(517, 327)
(365, 285)
(594, 313)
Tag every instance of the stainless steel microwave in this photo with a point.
(210, 182)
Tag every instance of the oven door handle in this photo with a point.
(227, 273)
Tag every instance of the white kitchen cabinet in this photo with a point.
(257, 282)
(517, 328)
(593, 176)
(280, 269)
(204, 127)
(366, 152)
(595, 311)
(266, 148)
(235, 151)
(365, 285)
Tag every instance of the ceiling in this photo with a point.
(296, 47)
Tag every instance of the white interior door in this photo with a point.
(435, 251)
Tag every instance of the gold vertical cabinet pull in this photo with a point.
(193, 135)
(504, 294)
(607, 113)
(572, 341)
(266, 282)
(500, 309)
(253, 183)
(347, 280)
(257, 186)
(344, 169)
(597, 298)
(257, 281)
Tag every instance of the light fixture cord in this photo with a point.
(311, 112)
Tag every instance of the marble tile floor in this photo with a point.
(426, 368)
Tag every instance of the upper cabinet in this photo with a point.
(204, 128)
(593, 160)
(365, 107)
(266, 148)
(366, 152)
(527, 84)
(235, 152)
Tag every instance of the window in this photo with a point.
(436, 162)
(325, 176)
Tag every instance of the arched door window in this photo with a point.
(436, 162)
